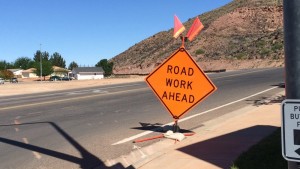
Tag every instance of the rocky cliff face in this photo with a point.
(242, 34)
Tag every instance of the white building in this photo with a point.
(86, 73)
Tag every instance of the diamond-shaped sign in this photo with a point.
(179, 83)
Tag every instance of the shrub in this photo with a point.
(199, 52)
(6, 74)
(240, 56)
(277, 46)
(261, 43)
(265, 52)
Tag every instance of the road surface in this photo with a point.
(82, 128)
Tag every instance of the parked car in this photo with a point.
(66, 78)
(55, 78)
(1, 81)
(14, 80)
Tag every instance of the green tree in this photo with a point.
(57, 60)
(106, 66)
(46, 68)
(2, 64)
(5, 65)
(38, 54)
(72, 65)
(6, 74)
(24, 63)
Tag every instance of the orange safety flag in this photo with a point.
(178, 27)
(195, 29)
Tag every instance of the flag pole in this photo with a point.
(183, 39)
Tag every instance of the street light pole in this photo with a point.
(291, 19)
(41, 68)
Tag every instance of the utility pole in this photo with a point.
(41, 68)
(291, 18)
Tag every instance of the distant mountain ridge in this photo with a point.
(241, 34)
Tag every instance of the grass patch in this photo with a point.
(264, 155)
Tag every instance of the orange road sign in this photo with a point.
(179, 83)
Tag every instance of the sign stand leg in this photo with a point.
(176, 128)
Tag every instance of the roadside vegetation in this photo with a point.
(264, 155)
(107, 67)
(47, 62)
(5, 74)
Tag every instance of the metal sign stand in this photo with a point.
(176, 128)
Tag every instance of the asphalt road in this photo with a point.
(83, 128)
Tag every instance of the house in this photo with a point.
(29, 73)
(58, 71)
(85, 73)
(16, 72)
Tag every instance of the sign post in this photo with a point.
(292, 53)
(179, 83)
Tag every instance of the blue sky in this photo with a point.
(88, 31)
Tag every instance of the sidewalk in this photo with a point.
(215, 145)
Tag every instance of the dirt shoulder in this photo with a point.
(29, 87)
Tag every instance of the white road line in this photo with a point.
(25, 140)
(193, 116)
(228, 104)
(36, 154)
(238, 74)
(17, 122)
